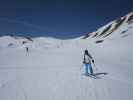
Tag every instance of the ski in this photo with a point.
(92, 76)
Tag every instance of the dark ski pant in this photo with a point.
(88, 66)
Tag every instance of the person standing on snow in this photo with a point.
(27, 49)
(87, 62)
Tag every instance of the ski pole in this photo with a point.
(95, 66)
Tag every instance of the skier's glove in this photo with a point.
(93, 60)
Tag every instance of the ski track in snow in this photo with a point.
(89, 86)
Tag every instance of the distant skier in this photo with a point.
(27, 49)
(87, 62)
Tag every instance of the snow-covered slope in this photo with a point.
(53, 69)
(113, 27)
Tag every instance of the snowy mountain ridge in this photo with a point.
(118, 28)
(113, 26)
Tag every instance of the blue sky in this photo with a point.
(59, 18)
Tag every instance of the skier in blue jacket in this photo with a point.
(87, 62)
